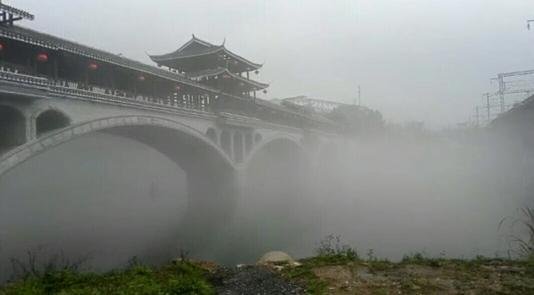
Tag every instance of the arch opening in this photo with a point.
(12, 128)
(50, 120)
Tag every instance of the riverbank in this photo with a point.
(414, 275)
(324, 274)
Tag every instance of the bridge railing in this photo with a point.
(13, 75)
(71, 88)
(180, 103)
(121, 96)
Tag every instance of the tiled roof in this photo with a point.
(197, 47)
(54, 43)
(220, 70)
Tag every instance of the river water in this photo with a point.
(107, 199)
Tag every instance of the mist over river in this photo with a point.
(109, 198)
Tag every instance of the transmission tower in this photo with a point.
(512, 87)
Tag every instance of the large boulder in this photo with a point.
(276, 258)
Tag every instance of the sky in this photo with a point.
(415, 60)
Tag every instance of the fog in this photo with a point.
(438, 196)
(108, 199)
(105, 198)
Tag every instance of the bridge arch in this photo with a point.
(209, 172)
(49, 120)
(12, 127)
(260, 145)
(118, 124)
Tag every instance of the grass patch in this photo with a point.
(304, 276)
(330, 251)
(177, 278)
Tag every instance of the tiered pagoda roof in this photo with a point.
(213, 65)
(198, 54)
(223, 73)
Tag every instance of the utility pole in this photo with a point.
(502, 88)
(359, 96)
(488, 106)
(478, 117)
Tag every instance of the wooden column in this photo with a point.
(55, 66)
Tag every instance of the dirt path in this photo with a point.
(252, 280)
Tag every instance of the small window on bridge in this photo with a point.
(212, 135)
(51, 120)
(12, 128)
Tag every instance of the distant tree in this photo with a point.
(358, 120)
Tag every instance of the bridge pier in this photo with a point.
(31, 133)
(213, 194)
(236, 142)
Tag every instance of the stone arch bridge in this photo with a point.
(214, 148)
(201, 112)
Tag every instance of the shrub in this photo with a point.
(523, 243)
(35, 266)
(178, 278)
(331, 249)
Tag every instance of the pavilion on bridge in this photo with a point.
(199, 77)
(214, 66)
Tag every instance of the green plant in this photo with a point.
(306, 277)
(422, 259)
(36, 266)
(331, 248)
(176, 278)
(416, 258)
(523, 243)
